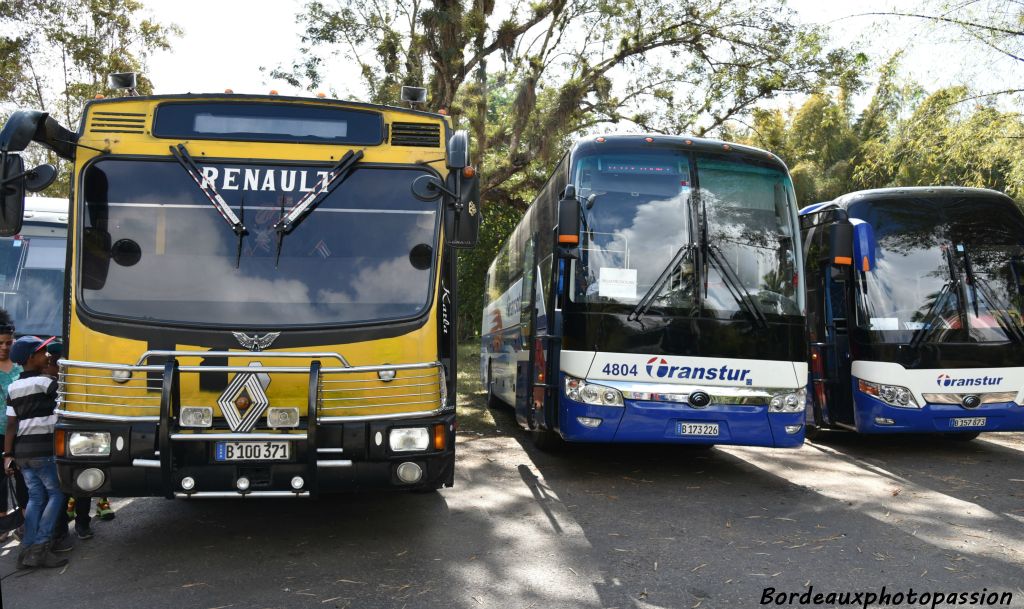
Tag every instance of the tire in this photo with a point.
(962, 437)
(492, 400)
(546, 440)
(813, 432)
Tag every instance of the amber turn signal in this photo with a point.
(59, 444)
(844, 260)
(468, 171)
(440, 437)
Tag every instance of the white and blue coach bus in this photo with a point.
(32, 268)
(653, 292)
(918, 328)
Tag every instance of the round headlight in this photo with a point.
(888, 393)
(90, 479)
(610, 396)
(903, 395)
(121, 376)
(590, 394)
(791, 401)
(776, 404)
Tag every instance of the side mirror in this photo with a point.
(95, 258)
(863, 246)
(462, 216)
(569, 219)
(840, 251)
(12, 191)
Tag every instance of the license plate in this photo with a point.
(969, 422)
(251, 451)
(697, 429)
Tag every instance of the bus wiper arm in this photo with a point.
(736, 287)
(979, 283)
(642, 307)
(180, 154)
(329, 182)
(951, 287)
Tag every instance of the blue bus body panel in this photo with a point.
(642, 421)
(932, 418)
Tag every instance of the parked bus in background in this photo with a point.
(32, 268)
(653, 292)
(261, 293)
(916, 327)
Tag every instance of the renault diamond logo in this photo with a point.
(256, 342)
(245, 400)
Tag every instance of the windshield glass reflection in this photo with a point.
(156, 249)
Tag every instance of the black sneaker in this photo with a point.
(83, 532)
(63, 543)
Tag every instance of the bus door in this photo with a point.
(532, 377)
(835, 352)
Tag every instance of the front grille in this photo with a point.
(424, 135)
(417, 390)
(117, 122)
(90, 390)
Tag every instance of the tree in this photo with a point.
(59, 53)
(554, 68)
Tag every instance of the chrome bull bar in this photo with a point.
(167, 405)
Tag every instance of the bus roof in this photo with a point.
(591, 143)
(263, 98)
(46, 209)
(906, 192)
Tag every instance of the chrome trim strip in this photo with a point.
(330, 450)
(247, 354)
(391, 405)
(336, 463)
(204, 437)
(71, 414)
(265, 369)
(238, 495)
(992, 397)
(385, 417)
(154, 463)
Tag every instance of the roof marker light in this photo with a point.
(648, 139)
(321, 94)
(229, 91)
(600, 140)
(273, 91)
(726, 147)
(688, 142)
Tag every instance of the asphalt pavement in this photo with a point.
(588, 526)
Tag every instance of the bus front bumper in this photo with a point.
(874, 416)
(641, 421)
(337, 457)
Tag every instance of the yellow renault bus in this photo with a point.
(261, 293)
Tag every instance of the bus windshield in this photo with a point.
(639, 211)
(32, 279)
(155, 249)
(947, 270)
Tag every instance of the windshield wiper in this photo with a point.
(979, 283)
(180, 154)
(736, 287)
(184, 159)
(642, 307)
(933, 311)
(306, 204)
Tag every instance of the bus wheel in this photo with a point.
(492, 400)
(813, 432)
(962, 437)
(546, 440)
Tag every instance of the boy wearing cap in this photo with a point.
(31, 401)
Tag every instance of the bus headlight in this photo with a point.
(580, 390)
(893, 395)
(792, 401)
(89, 444)
(404, 439)
(196, 416)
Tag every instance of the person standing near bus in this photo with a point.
(9, 372)
(31, 402)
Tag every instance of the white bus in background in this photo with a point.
(32, 268)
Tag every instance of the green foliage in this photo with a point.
(902, 138)
(80, 41)
(527, 83)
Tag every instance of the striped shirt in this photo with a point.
(32, 399)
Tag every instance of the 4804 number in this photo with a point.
(619, 369)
